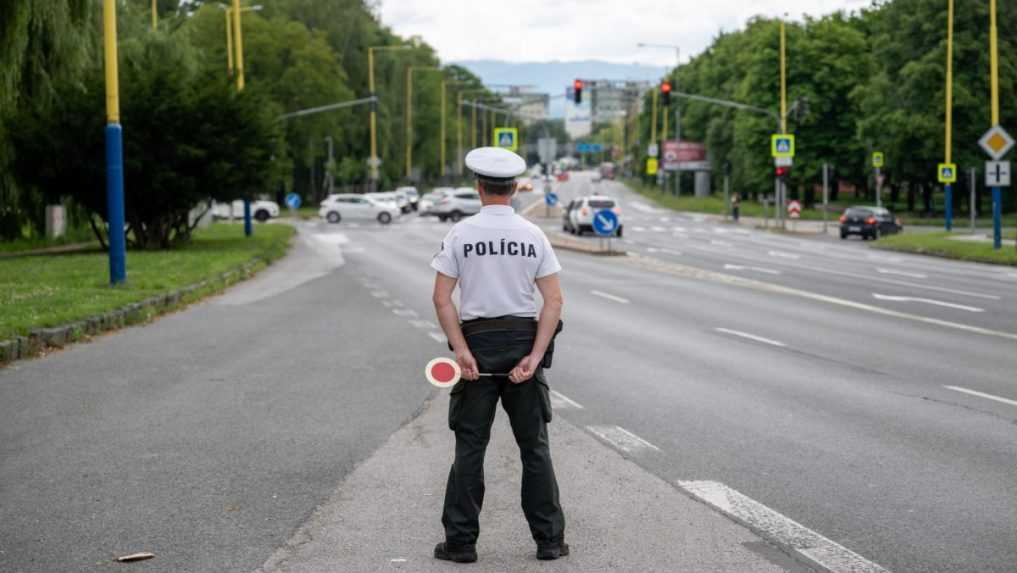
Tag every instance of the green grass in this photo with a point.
(50, 290)
(714, 204)
(940, 245)
(21, 245)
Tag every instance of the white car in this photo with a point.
(577, 216)
(411, 194)
(260, 210)
(398, 199)
(350, 207)
(429, 200)
(462, 202)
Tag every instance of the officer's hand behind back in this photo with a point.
(524, 370)
(468, 365)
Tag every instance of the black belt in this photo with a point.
(502, 323)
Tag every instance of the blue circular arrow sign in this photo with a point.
(551, 199)
(293, 201)
(605, 222)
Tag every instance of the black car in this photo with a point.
(869, 222)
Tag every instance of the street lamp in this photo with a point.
(229, 31)
(374, 109)
(677, 107)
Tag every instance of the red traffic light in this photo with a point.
(783, 171)
(665, 87)
(577, 90)
(578, 84)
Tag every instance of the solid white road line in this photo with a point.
(609, 296)
(751, 337)
(901, 273)
(757, 269)
(438, 336)
(982, 395)
(784, 255)
(780, 529)
(720, 243)
(621, 438)
(560, 402)
(927, 301)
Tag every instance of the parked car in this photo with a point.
(869, 222)
(412, 195)
(429, 200)
(577, 217)
(260, 210)
(348, 206)
(462, 202)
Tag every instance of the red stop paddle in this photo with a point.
(445, 372)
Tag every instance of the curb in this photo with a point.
(41, 339)
(581, 246)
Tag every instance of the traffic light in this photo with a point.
(577, 88)
(665, 93)
(783, 172)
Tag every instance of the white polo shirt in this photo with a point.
(496, 255)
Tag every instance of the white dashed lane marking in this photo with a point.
(927, 301)
(971, 392)
(609, 296)
(404, 312)
(561, 402)
(900, 273)
(621, 439)
(828, 554)
(748, 336)
(379, 293)
(437, 336)
(730, 267)
(426, 324)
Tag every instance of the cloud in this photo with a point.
(568, 30)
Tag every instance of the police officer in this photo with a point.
(499, 259)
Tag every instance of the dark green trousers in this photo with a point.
(471, 412)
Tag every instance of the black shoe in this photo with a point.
(456, 553)
(552, 552)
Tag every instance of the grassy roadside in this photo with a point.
(51, 290)
(714, 205)
(941, 245)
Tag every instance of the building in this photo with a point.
(611, 100)
(528, 106)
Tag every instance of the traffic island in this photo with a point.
(604, 247)
(50, 301)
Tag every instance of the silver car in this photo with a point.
(462, 202)
(348, 207)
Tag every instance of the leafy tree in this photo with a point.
(186, 141)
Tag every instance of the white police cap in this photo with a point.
(495, 163)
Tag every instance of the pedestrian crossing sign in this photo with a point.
(782, 145)
(947, 172)
(651, 166)
(507, 138)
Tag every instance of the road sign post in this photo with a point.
(826, 194)
(550, 200)
(605, 224)
(947, 173)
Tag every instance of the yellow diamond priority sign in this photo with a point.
(996, 142)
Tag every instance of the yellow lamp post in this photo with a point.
(409, 115)
(228, 13)
(948, 152)
(374, 109)
(783, 78)
(155, 15)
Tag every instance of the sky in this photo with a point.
(568, 30)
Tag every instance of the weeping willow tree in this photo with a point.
(41, 45)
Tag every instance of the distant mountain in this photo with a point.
(554, 77)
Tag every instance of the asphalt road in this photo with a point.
(210, 436)
(832, 409)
